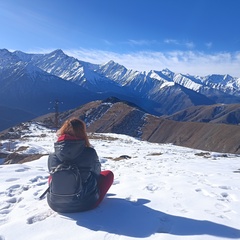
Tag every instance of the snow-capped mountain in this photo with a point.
(90, 75)
(31, 81)
(29, 89)
(149, 90)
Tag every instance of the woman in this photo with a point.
(73, 145)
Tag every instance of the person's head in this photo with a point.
(76, 128)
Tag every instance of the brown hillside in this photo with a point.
(123, 118)
(205, 136)
(218, 113)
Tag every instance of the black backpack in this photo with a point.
(65, 182)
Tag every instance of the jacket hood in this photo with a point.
(69, 150)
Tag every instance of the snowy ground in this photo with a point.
(161, 192)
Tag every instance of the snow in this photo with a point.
(162, 192)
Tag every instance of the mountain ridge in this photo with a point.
(114, 116)
(217, 113)
(56, 75)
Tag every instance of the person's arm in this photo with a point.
(96, 163)
(52, 161)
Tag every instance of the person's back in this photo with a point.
(73, 148)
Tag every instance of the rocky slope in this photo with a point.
(114, 116)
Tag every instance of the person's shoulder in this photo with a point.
(90, 153)
(90, 150)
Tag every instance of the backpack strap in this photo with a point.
(44, 193)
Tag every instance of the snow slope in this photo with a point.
(161, 192)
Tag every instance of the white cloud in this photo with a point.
(209, 44)
(192, 62)
(190, 45)
(141, 42)
(187, 44)
(172, 41)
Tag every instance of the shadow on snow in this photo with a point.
(134, 219)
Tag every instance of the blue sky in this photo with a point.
(198, 37)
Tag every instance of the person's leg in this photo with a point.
(104, 183)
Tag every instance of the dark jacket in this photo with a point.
(87, 160)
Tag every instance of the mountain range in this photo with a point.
(32, 84)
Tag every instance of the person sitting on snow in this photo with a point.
(73, 149)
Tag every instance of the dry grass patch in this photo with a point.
(122, 157)
(22, 148)
(203, 154)
(101, 137)
(155, 154)
(15, 157)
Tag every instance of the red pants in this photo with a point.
(104, 183)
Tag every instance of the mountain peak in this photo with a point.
(111, 67)
(58, 52)
(26, 57)
(4, 52)
(167, 71)
(111, 63)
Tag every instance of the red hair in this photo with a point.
(75, 128)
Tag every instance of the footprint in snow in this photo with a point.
(37, 192)
(5, 211)
(13, 200)
(205, 192)
(6, 207)
(39, 217)
(22, 169)
(39, 180)
(180, 208)
(11, 179)
(151, 188)
(110, 236)
(16, 189)
(221, 206)
(13, 190)
(225, 187)
(224, 196)
(219, 215)
(41, 169)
